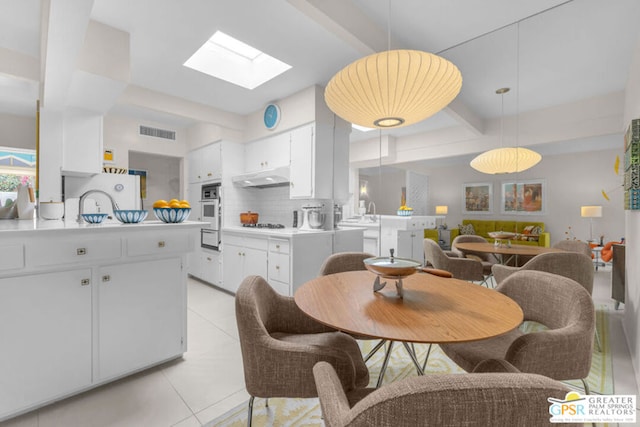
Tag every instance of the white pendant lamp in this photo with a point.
(505, 159)
(393, 88)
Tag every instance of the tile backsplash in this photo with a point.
(272, 204)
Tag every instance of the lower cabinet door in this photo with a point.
(140, 318)
(45, 331)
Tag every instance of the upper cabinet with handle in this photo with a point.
(319, 163)
(268, 153)
(205, 163)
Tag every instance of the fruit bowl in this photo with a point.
(130, 216)
(94, 218)
(405, 212)
(172, 215)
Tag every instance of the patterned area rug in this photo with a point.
(306, 412)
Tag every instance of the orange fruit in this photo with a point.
(184, 202)
(160, 203)
(174, 201)
(185, 205)
(175, 204)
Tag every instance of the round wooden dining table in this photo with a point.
(433, 309)
(504, 252)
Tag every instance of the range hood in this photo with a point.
(265, 178)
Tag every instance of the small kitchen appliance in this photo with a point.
(312, 217)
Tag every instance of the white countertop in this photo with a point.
(35, 225)
(287, 231)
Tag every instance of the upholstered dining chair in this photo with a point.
(280, 345)
(349, 261)
(344, 261)
(562, 352)
(476, 399)
(487, 260)
(461, 268)
(574, 265)
(574, 246)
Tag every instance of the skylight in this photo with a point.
(236, 62)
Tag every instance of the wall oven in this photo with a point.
(211, 213)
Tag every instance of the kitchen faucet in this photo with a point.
(114, 205)
(372, 215)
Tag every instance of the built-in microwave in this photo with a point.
(210, 192)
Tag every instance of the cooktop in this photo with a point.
(263, 225)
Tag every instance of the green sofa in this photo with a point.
(483, 227)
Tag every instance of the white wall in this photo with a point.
(17, 131)
(632, 226)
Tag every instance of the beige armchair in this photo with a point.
(461, 268)
(280, 345)
(487, 260)
(574, 265)
(574, 246)
(344, 261)
(477, 399)
(562, 352)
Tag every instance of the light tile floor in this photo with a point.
(208, 380)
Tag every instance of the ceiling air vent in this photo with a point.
(158, 133)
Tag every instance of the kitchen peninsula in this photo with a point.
(83, 304)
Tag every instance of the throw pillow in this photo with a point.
(536, 231)
(528, 230)
(467, 229)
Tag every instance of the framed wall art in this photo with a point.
(524, 197)
(477, 198)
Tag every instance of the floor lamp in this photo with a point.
(441, 210)
(591, 212)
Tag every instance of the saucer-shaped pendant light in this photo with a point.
(505, 160)
(393, 88)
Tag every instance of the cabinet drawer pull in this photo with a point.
(81, 251)
(239, 253)
(208, 258)
(209, 174)
(106, 278)
(277, 267)
(85, 282)
(277, 246)
(161, 244)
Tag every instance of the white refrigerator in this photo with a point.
(124, 189)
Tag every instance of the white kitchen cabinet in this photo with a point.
(81, 143)
(194, 197)
(194, 263)
(210, 266)
(410, 245)
(81, 305)
(45, 331)
(371, 241)
(130, 337)
(242, 256)
(205, 164)
(348, 240)
(267, 153)
(392, 225)
(279, 265)
(313, 166)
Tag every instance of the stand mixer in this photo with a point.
(312, 217)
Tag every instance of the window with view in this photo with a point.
(17, 167)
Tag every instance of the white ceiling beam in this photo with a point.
(348, 23)
(155, 101)
(64, 26)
